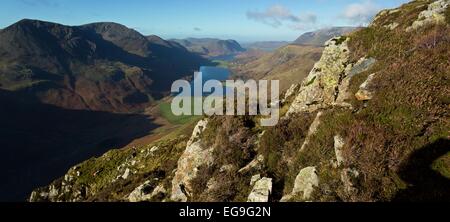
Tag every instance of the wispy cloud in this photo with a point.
(361, 13)
(197, 29)
(277, 15)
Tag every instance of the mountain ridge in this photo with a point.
(211, 47)
(53, 61)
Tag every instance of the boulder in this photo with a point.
(261, 191)
(304, 184)
(365, 93)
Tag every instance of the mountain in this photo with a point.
(211, 48)
(69, 93)
(368, 124)
(268, 46)
(290, 64)
(100, 66)
(319, 37)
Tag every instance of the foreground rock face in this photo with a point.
(327, 84)
(319, 88)
(304, 184)
(433, 15)
(193, 157)
(261, 191)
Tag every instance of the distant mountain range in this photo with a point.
(100, 66)
(319, 37)
(209, 47)
(267, 46)
(290, 64)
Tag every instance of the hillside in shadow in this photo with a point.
(39, 143)
(426, 185)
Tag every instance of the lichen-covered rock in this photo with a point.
(290, 92)
(261, 191)
(319, 88)
(338, 145)
(146, 192)
(312, 130)
(254, 179)
(365, 93)
(381, 14)
(193, 157)
(433, 15)
(304, 184)
(352, 70)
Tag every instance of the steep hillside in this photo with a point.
(211, 48)
(369, 123)
(102, 66)
(319, 37)
(268, 46)
(289, 64)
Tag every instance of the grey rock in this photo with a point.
(338, 145)
(261, 191)
(305, 183)
(365, 93)
(433, 15)
(193, 157)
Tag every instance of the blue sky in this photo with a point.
(243, 20)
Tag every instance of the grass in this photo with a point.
(442, 165)
(221, 63)
(166, 112)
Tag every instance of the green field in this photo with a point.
(166, 112)
(221, 63)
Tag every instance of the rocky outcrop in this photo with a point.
(319, 88)
(62, 190)
(382, 14)
(261, 191)
(365, 93)
(193, 157)
(327, 84)
(433, 15)
(352, 70)
(146, 192)
(290, 92)
(305, 183)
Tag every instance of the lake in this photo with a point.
(212, 73)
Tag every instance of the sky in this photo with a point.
(242, 20)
